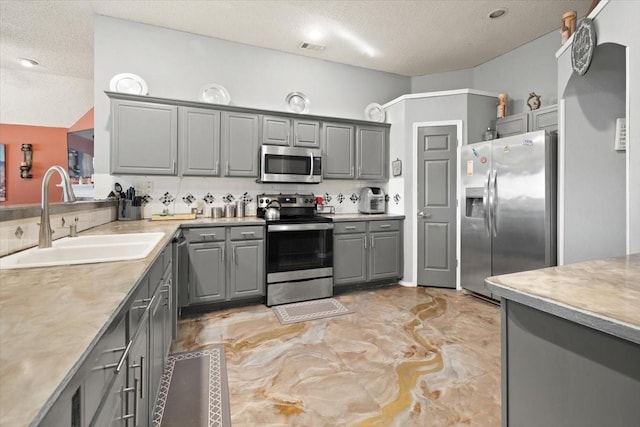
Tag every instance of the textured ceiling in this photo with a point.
(405, 37)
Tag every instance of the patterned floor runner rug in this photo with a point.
(194, 391)
(309, 310)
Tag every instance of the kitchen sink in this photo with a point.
(85, 250)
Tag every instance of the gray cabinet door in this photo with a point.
(306, 133)
(199, 142)
(247, 269)
(113, 408)
(144, 138)
(159, 336)
(512, 125)
(276, 130)
(385, 255)
(240, 144)
(371, 153)
(544, 119)
(339, 151)
(350, 258)
(207, 272)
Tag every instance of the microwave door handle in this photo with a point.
(311, 166)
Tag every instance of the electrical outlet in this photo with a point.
(147, 187)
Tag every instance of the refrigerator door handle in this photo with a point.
(494, 203)
(486, 203)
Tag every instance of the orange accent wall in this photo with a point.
(49, 148)
(85, 122)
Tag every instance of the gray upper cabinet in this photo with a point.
(371, 153)
(512, 125)
(544, 118)
(338, 142)
(541, 119)
(276, 130)
(144, 138)
(290, 132)
(240, 144)
(199, 142)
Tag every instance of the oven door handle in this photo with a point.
(298, 227)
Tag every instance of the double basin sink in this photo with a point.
(85, 250)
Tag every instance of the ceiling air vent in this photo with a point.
(311, 46)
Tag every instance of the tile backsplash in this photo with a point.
(19, 234)
(180, 195)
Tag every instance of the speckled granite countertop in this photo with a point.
(603, 294)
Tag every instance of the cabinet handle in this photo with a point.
(350, 227)
(215, 168)
(174, 166)
(247, 233)
(373, 243)
(385, 226)
(135, 402)
(227, 168)
(222, 257)
(233, 256)
(365, 242)
(359, 171)
(142, 307)
(351, 173)
(141, 366)
(118, 365)
(204, 236)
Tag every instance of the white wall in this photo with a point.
(178, 65)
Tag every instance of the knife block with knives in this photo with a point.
(130, 206)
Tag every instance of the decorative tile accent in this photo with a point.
(208, 198)
(340, 198)
(166, 199)
(228, 198)
(327, 197)
(246, 197)
(396, 198)
(19, 232)
(188, 199)
(354, 198)
(146, 199)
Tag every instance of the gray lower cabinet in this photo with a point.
(541, 119)
(225, 264)
(144, 138)
(240, 143)
(286, 131)
(338, 146)
(118, 382)
(371, 153)
(199, 142)
(367, 251)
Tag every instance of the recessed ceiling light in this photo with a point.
(28, 63)
(498, 13)
(314, 34)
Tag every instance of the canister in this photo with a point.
(240, 209)
(216, 212)
(229, 211)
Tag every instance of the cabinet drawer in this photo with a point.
(349, 227)
(139, 305)
(247, 233)
(208, 234)
(384, 226)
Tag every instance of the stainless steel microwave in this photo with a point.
(290, 164)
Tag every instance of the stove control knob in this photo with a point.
(266, 201)
(261, 201)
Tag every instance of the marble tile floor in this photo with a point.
(405, 357)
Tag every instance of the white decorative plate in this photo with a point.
(375, 113)
(215, 94)
(128, 83)
(297, 102)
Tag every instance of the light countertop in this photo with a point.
(602, 294)
(361, 217)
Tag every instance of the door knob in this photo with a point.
(424, 214)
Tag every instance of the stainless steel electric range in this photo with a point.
(299, 254)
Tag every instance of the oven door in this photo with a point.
(287, 164)
(299, 251)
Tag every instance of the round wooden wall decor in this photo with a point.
(584, 42)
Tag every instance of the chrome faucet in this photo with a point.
(44, 239)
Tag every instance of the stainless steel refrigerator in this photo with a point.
(508, 221)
